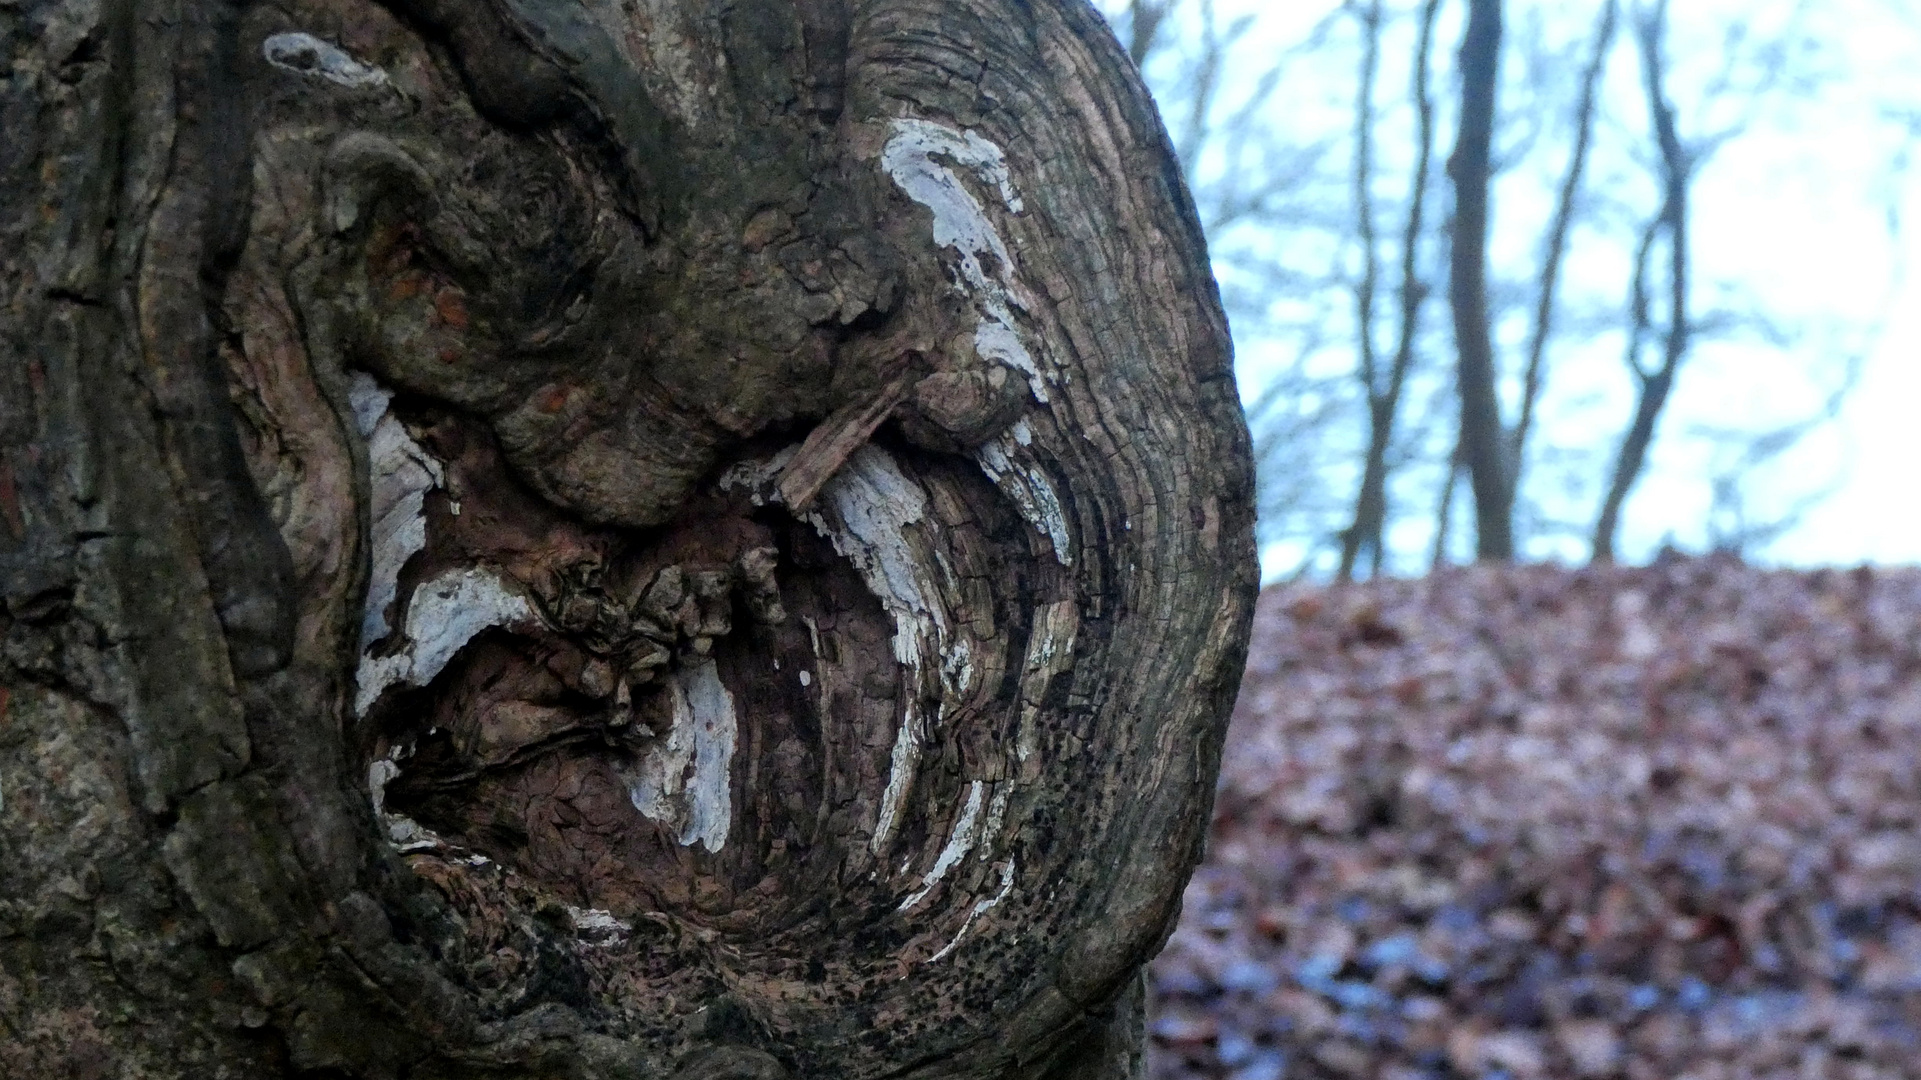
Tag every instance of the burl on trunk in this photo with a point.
(600, 538)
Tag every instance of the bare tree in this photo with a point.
(1586, 111)
(1367, 531)
(1483, 439)
(593, 540)
(1357, 426)
(1144, 19)
(1654, 382)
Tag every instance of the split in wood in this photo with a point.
(828, 446)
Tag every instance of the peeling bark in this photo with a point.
(573, 539)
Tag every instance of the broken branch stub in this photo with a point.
(769, 522)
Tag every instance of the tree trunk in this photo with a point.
(1483, 438)
(556, 538)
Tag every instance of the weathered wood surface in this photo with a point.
(585, 539)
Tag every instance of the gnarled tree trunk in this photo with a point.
(569, 538)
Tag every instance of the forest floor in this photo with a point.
(1661, 823)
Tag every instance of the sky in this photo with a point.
(1824, 247)
(1796, 211)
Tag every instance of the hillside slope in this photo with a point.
(1646, 822)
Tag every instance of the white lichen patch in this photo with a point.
(866, 512)
(902, 762)
(307, 55)
(959, 843)
(443, 615)
(872, 504)
(1009, 462)
(685, 782)
(379, 775)
(760, 478)
(402, 473)
(403, 832)
(600, 929)
(981, 908)
(408, 835)
(996, 813)
(595, 919)
(876, 517)
(597, 929)
(916, 158)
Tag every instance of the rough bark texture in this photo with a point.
(557, 538)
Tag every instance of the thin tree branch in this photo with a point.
(1205, 79)
(1677, 175)
(1355, 536)
(1640, 318)
(1368, 529)
(1364, 194)
(1558, 235)
(1444, 516)
(1143, 28)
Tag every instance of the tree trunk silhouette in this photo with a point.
(555, 538)
(1483, 441)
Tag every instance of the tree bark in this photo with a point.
(556, 538)
(1483, 438)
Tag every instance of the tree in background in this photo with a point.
(1383, 391)
(1483, 449)
(1583, 207)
